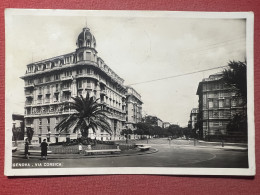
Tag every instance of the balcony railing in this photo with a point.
(30, 85)
(67, 78)
(28, 103)
(66, 89)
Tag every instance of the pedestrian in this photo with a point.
(80, 148)
(44, 148)
(26, 149)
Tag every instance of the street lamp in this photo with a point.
(49, 136)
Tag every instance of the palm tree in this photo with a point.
(88, 115)
(235, 77)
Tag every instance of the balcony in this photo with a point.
(103, 92)
(66, 89)
(28, 95)
(39, 102)
(66, 78)
(28, 103)
(87, 76)
(56, 90)
(31, 85)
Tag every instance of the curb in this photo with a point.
(90, 156)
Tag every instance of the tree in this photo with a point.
(88, 115)
(30, 132)
(235, 77)
(238, 124)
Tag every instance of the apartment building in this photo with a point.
(217, 104)
(51, 83)
(133, 108)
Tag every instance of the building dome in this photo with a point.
(86, 39)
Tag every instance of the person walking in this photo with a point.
(26, 149)
(44, 148)
(80, 148)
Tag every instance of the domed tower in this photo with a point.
(86, 39)
(86, 46)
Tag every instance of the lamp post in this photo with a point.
(49, 136)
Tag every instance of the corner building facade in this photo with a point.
(133, 108)
(217, 104)
(52, 82)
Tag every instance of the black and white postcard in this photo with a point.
(129, 92)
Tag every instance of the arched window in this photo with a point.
(81, 56)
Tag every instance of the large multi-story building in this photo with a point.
(52, 82)
(133, 108)
(217, 104)
(193, 117)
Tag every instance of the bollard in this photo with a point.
(222, 142)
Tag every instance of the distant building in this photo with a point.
(133, 108)
(153, 120)
(18, 127)
(193, 117)
(217, 104)
(166, 125)
(159, 123)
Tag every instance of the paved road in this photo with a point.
(167, 156)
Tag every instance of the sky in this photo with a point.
(138, 48)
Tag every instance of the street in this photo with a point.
(167, 156)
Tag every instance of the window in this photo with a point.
(67, 97)
(88, 83)
(215, 114)
(57, 120)
(68, 73)
(88, 56)
(227, 102)
(57, 76)
(48, 121)
(221, 114)
(221, 103)
(205, 125)
(66, 85)
(56, 97)
(79, 71)
(215, 103)
(48, 78)
(80, 84)
(40, 121)
(57, 87)
(216, 124)
(210, 104)
(40, 91)
(234, 102)
(40, 80)
(210, 114)
(81, 56)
